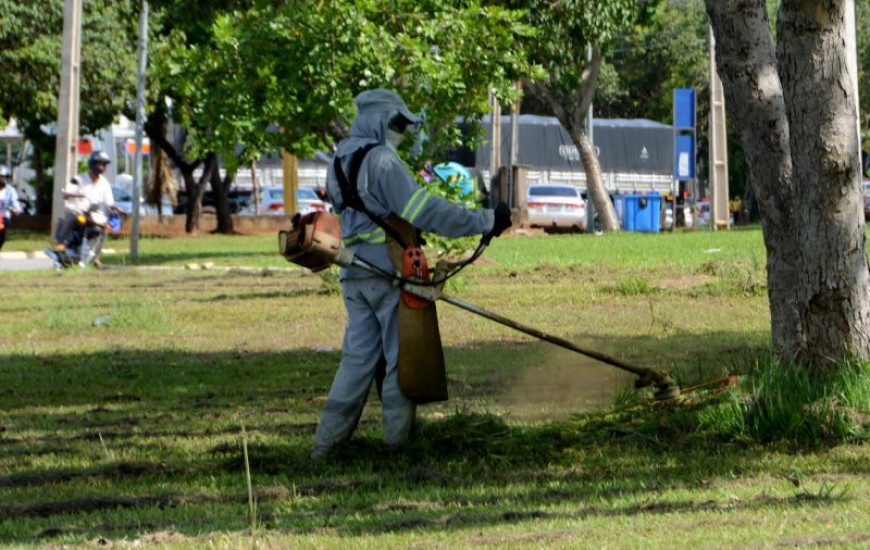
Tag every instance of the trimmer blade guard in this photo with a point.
(313, 240)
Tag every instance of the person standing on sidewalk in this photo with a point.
(9, 204)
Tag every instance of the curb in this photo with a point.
(38, 254)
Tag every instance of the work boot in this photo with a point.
(319, 452)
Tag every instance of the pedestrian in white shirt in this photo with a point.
(83, 191)
(9, 204)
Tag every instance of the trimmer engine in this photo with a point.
(313, 241)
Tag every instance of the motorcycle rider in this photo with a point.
(386, 187)
(88, 188)
(9, 204)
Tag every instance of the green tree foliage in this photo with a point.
(30, 59)
(248, 78)
(667, 49)
(577, 34)
(297, 67)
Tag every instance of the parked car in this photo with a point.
(272, 201)
(124, 203)
(239, 200)
(555, 205)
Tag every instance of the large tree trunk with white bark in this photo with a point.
(795, 106)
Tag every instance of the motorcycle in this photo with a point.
(85, 241)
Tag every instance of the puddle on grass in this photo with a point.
(562, 384)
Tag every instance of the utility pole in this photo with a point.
(515, 136)
(719, 211)
(290, 168)
(495, 141)
(67, 107)
(140, 126)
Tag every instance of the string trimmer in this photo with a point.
(314, 242)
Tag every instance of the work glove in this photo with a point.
(502, 221)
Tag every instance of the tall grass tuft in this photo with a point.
(778, 402)
(633, 286)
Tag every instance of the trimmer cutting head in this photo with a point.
(666, 391)
(665, 387)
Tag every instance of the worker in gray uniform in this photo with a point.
(386, 188)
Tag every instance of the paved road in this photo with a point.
(20, 261)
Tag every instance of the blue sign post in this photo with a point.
(685, 160)
(684, 157)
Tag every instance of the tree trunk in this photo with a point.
(747, 204)
(595, 188)
(221, 188)
(195, 192)
(155, 127)
(834, 291)
(256, 194)
(162, 182)
(570, 107)
(796, 115)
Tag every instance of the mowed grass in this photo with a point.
(125, 391)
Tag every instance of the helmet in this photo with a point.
(5, 172)
(97, 158)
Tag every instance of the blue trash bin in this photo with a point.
(642, 213)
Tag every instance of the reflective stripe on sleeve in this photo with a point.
(415, 205)
(375, 236)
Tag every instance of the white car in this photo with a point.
(272, 201)
(556, 205)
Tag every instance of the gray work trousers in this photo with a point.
(372, 333)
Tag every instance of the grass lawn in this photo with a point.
(130, 398)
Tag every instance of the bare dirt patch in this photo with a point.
(686, 282)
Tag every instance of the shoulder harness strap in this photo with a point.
(350, 193)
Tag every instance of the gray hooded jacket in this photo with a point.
(386, 186)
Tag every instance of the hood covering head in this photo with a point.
(375, 110)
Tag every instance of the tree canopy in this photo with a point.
(284, 76)
(30, 59)
(577, 35)
(30, 47)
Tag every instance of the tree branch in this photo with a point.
(155, 133)
(588, 85)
